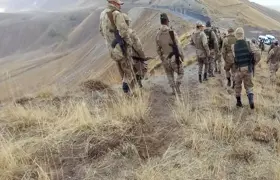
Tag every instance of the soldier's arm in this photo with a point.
(205, 43)
(225, 41)
(270, 54)
(100, 25)
(122, 27)
(256, 52)
(215, 40)
(179, 45)
(137, 45)
(159, 48)
(232, 49)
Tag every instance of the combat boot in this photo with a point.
(205, 77)
(125, 87)
(238, 102)
(211, 74)
(251, 100)
(200, 78)
(233, 84)
(228, 82)
(139, 81)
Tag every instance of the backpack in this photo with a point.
(208, 33)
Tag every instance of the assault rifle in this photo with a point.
(175, 50)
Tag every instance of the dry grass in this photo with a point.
(113, 137)
(36, 139)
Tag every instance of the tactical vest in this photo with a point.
(208, 33)
(276, 56)
(243, 56)
(231, 40)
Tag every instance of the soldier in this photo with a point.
(138, 55)
(273, 60)
(213, 46)
(246, 57)
(116, 34)
(202, 50)
(275, 43)
(170, 53)
(228, 56)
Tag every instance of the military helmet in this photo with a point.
(199, 24)
(230, 30)
(208, 24)
(163, 16)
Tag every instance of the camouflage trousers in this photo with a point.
(273, 70)
(127, 72)
(203, 62)
(218, 63)
(171, 68)
(229, 66)
(211, 62)
(242, 75)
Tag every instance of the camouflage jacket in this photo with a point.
(163, 41)
(201, 44)
(137, 49)
(227, 43)
(107, 31)
(274, 55)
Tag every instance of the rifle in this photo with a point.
(118, 40)
(142, 59)
(253, 61)
(175, 50)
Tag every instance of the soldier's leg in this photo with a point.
(180, 76)
(272, 69)
(170, 75)
(248, 85)
(200, 69)
(206, 66)
(211, 64)
(219, 63)
(238, 88)
(228, 75)
(233, 70)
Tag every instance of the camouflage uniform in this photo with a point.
(228, 56)
(125, 64)
(214, 52)
(138, 55)
(163, 41)
(202, 51)
(244, 74)
(273, 59)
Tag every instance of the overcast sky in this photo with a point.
(267, 2)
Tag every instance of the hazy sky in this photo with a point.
(267, 2)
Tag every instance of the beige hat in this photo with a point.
(199, 24)
(116, 1)
(239, 33)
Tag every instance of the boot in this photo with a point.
(228, 82)
(200, 78)
(205, 77)
(139, 81)
(233, 84)
(251, 100)
(219, 72)
(238, 102)
(125, 87)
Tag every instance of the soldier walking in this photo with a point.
(246, 57)
(116, 34)
(213, 46)
(138, 55)
(170, 53)
(273, 60)
(228, 56)
(202, 51)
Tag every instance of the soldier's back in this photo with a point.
(164, 40)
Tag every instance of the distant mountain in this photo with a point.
(277, 8)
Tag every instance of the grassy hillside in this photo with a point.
(90, 135)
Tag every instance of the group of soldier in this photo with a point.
(240, 56)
